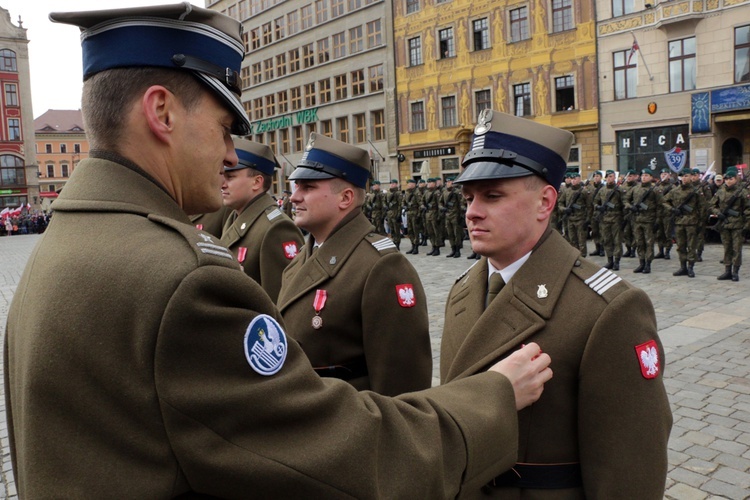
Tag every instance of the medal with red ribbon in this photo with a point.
(241, 253)
(318, 304)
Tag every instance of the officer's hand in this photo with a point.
(527, 369)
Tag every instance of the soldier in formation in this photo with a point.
(576, 209)
(393, 212)
(412, 204)
(431, 209)
(452, 209)
(664, 227)
(730, 208)
(374, 207)
(643, 202)
(631, 179)
(592, 189)
(608, 208)
(687, 204)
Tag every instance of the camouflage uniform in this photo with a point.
(643, 202)
(393, 213)
(687, 205)
(608, 207)
(575, 206)
(731, 207)
(450, 207)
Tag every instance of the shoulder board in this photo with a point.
(381, 243)
(276, 212)
(599, 279)
(207, 248)
(467, 271)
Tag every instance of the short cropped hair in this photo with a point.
(109, 94)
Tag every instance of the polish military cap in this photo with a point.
(411, 181)
(632, 172)
(696, 171)
(394, 181)
(719, 177)
(421, 181)
(684, 171)
(647, 171)
(573, 175)
(731, 172)
(610, 172)
(253, 155)
(506, 146)
(664, 170)
(178, 36)
(326, 158)
(450, 178)
(375, 182)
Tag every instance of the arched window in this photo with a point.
(8, 60)
(11, 171)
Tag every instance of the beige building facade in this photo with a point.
(320, 66)
(674, 81)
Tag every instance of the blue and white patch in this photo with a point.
(265, 345)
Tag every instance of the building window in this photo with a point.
(324, 53)
(339, 45)
(281, 65)
(625, 71)
(337, 8)
(11, 94)
(415, 51)
(285, 140)
(244, 9)
(296, 98)
(258, 108)
(255, 38)
(311, 128)
(354, 4)
(64, 168)
(565, 93)
(267, 34)
(278, 28)
(321, 11)
(326, 127)
(374, 34)
(271, 141)
(343, 125)
(360, 125)
(356, 44)
(481, 30)
(412, 6)
(324, 87)
(245, 75)
(377, 120)
(283, 100)
(14, 129)
(246, 40)
(448, 111)
(248, 107)
(447, 43)
(257, 74)
(12, 171)
(268, 69)
(417, 116)
(293, 60)
(310, 95)
(741, 54)
(340, 87)
(682, 65)
(8, 60)
(375, 74)
(48, 148)
(76, 148)
(308, 55)
(450, 164)
(358, 82)
(482, 101)
(522, 96)
(519, 24)
(270, 105)
(292, 22)
(622, 7)
(307, 16)
(50, 170)
(299, 140)
(562, 15)
(63, 148)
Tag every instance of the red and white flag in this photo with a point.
(633, 49)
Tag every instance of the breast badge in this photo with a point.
(265, 345)
(541, 292)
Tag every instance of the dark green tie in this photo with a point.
(496, 284)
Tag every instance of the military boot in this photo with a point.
(630, 253)
(726, 275)
(458, 253)
(699, 257)
(666, 254)
(415, 249)
(436, 251)
(473, 255)
(640, 267)
(616, 265)
(660, 255)
(453, 252)
(736, 273)
(682, 271)
(610, 263)
(691, 273)
(600, 251)
(647, 267)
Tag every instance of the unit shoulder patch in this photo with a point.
(265, 345)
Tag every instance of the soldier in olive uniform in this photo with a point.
(643, 202)
(730, 207)
(412, 204)
(628, 237)
(705, 188)
(664, 227)
(608, 208)
(375, 207)
(592, 189)
(450, 206)
(577, 440)
(687, 204)
(431, 209)
(168, 373)
(344, 267)
(262, 239)
(286, 204)
(576, 209)
(393, 212)
(422, 190)
(560, 219)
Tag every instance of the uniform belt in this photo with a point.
(346, 371)
(540, 476)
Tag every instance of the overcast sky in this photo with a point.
(55, 49)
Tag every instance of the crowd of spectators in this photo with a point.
(26, 223)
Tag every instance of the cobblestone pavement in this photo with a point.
(703, 323)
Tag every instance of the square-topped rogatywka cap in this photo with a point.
(255, 155)
(507, 146)
(326, 158)
(178, 36)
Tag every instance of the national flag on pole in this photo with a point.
(633, 49)
(4, 213)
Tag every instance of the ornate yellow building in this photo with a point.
(456, 57)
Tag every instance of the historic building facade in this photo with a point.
(322, 66)
(456, 57)
(18, 170)
(674, 79)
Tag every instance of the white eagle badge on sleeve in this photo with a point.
(405, 294)
(648, 357)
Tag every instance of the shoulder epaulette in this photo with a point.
(602, 280)
(381, 243)
(203, 243)
(274, 213)
(467, 271)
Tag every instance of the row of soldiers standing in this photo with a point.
(424, 211)
(649, 213)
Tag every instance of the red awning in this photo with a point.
(48, 195)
